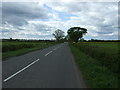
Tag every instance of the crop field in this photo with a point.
(14, 48)
(99, 62)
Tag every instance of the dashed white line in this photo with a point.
(20, 70)
(48, 53)
(56, 48)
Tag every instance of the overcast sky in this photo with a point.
(38, 20)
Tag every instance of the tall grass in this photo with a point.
(14, 48)
(95, 75)
(105, 52)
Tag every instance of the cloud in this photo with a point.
(20, 13)
(40, 20)
(103, 16)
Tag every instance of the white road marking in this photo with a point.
(20, 70)
(48, 53)
(56, 48)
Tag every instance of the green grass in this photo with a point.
(18, 52)
(95, 75)
(15, 48)
(105, 52)
(103, 44)
(15, 45)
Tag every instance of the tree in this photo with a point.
(67, 37)
(58, 34)
(11, 39)
(76, 33)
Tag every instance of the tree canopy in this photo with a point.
(58, 34)
(76, 33)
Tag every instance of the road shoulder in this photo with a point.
(81, 81)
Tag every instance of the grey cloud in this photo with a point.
(18, 13)
(5, 30)
(104, 32)
(102, 15)
(44, 28)
(40, 36)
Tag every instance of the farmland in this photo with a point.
(98, 62)
(14, 48)
(105, 52)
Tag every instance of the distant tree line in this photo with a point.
(62, 40)
(25, 40)
(96, 40)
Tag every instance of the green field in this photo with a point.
(104, 52)
(15, 48)
(112, 45)
(98, 62)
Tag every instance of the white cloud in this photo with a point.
(39, 21)
(20, 13)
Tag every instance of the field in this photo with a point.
(14, 48)
(105, 52)
(98, 62)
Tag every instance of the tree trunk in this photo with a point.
(76, 40)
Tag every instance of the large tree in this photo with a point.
(58, 34)
(76, 33)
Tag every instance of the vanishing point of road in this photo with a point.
(52, 67)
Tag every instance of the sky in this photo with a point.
(38, 20)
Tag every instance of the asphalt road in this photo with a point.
(52, 67)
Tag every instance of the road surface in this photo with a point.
(51, 67)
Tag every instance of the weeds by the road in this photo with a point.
(95, 74)
(15, 48)
(105, 52)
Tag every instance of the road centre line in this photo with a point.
(55, 48)
(20, 70)
(48, 53)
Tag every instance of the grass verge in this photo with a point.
(95, 75)
(9, 54)
(106, 53)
